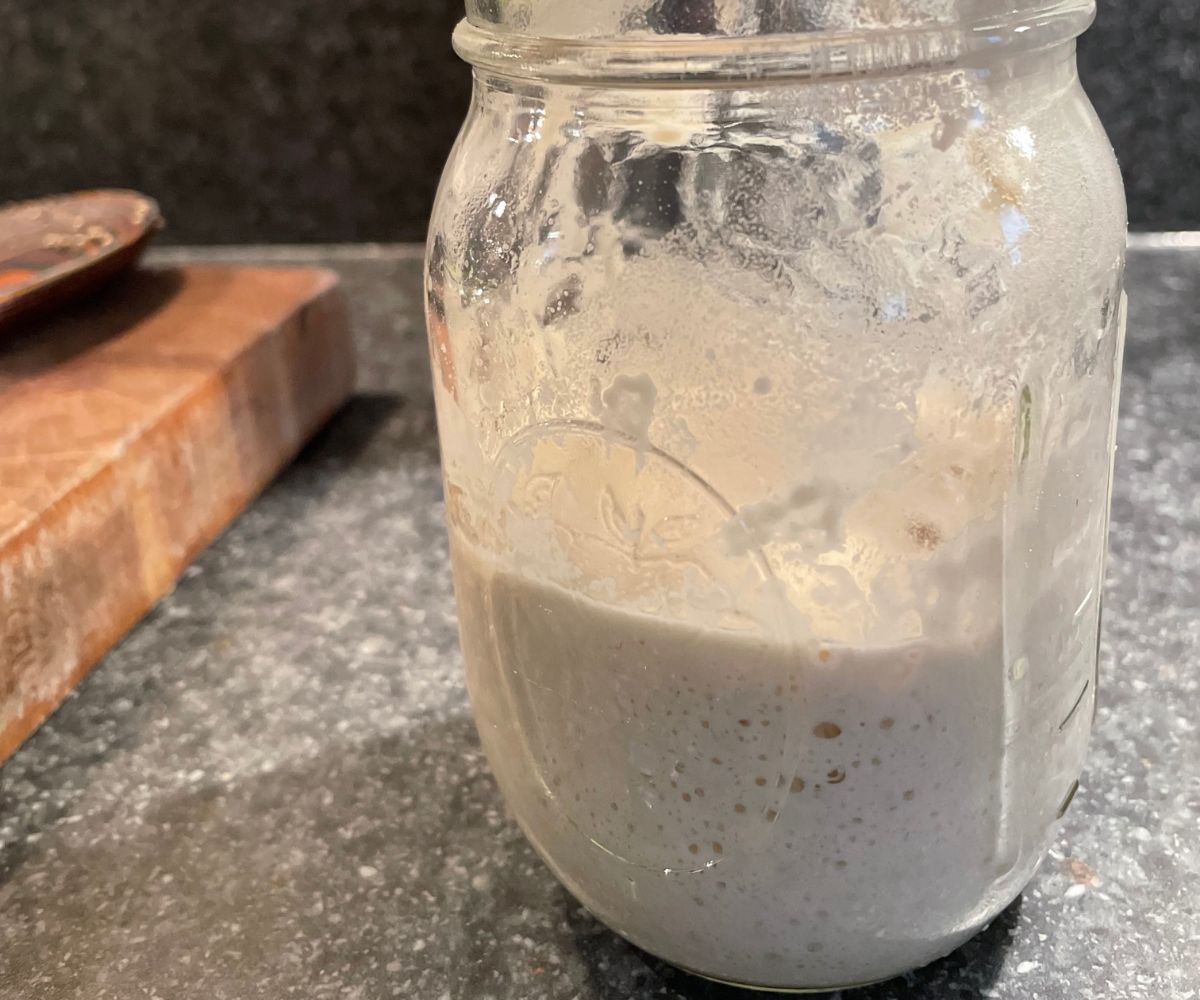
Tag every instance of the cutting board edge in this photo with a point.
(335, 363)
(326, 285)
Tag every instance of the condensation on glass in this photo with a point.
(776, 345)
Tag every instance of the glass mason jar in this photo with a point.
(776, 345)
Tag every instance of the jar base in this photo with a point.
(949, 945)
(830, 987)
(786, 990)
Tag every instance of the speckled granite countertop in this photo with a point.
(272, 788)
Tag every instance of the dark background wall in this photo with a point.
(328, 120)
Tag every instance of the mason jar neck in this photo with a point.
(694, 60)
(699, 112)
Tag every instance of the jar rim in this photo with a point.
(714, 60)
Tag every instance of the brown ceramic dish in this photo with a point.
(55, 249)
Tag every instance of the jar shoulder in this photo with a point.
(552, 172)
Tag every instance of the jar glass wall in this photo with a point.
(776, 418)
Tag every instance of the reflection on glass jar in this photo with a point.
(775, 347)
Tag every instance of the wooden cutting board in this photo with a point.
(132, 430)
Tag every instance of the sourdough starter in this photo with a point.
(799, 814)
